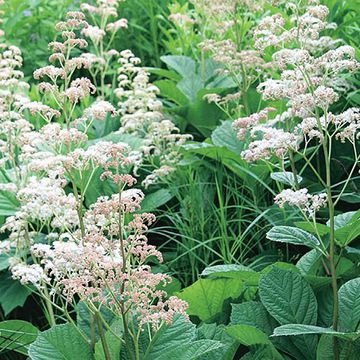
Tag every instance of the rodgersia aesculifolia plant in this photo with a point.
(309, 75)
(64, 248)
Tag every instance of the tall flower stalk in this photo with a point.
(310, 79)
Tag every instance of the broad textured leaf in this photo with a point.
(251, 336)
(288, 297)
(183, 65)
(239, 272)
(181, 332)
(225, 136)
(292, 235)
(309, 262)
(349, 305)
(300, 329)
(214, 332)
(17, 335)
(12, 293)
(206, 296)
(285, 177)
(192, 351)
(290, 300)
(321, 229)
(254, 314)
(61, 342)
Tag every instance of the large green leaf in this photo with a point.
(292, 235)
(290, 300)
(191, 351)
(8, 203)
(225, 136)
(251, 336)
(17, 335)
(309, 262)
(214, 332)
(206, 296)
(235, 271)
(61, 342)
(156, 199)
(300, 329)
(288, 297)
(254, 314)
(12, 293)
(347, 227)
(178, 341)
(285, 177)
(183, 65)
(349, 305)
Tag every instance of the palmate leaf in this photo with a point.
(61, 342)
(254, 314)
(349, 305)
(300, 329)
(292, 235)
(290, 300)
(288, 297)
(214, 332)
(178, 342)
(12, 293)
(206, 296)
(285, 177)
(251, 336)
(17, 335)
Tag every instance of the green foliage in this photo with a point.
(17, 335)
(61, 342)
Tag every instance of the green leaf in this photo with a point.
(292, 235)
(178, 342)
(290, 300)
(156, 199)
(192, 351)
(8, 203)
(321, 229)
(285, 177)
(288, 297)
(349, 305)
(17, 335)
(254, 314)
(180, 332)
(12, 293)
(235, 271)
(206, 297)
(248, 335)
(309, 262)
(61, 342)
(225, 136)
(183, 65)
(169, 90)
(300, 329)
(214, 332)
(251, 336)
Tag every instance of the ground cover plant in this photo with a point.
(179, 180)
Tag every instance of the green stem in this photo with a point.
(102, 338)
(332, 246)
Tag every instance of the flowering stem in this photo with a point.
(102, 337)
(52, 321)
(332, 246)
